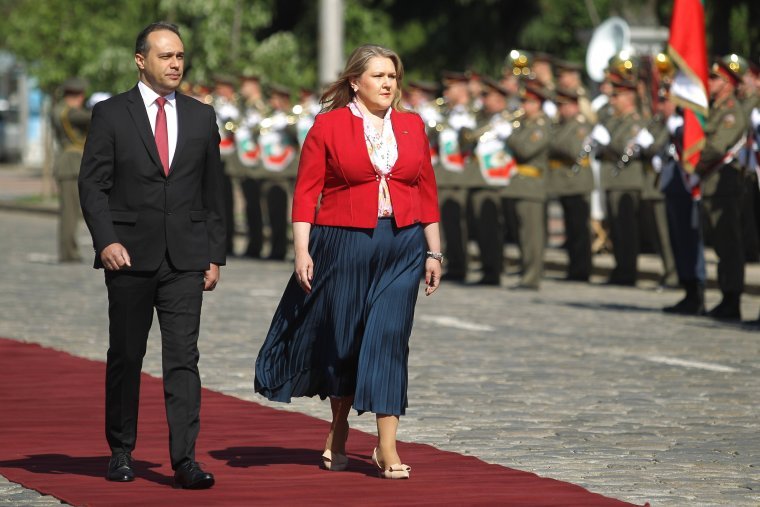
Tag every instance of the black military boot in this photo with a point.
(693, 303)
(729, 308)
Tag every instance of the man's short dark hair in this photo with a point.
(141, 45)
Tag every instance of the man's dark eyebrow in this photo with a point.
(171, 53)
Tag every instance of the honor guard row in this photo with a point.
(260, 141)
(535, 135)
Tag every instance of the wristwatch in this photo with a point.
(434, 255)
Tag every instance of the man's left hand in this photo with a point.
(211, 277)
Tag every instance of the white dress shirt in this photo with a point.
(170, 108)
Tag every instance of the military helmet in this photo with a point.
(732, 67)
(281, 90)
(533, 89)
(74, 86)
(494, 85)
(565, 95)
(736, 63)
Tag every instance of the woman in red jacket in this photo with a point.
(365, 229)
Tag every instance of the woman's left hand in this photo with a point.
(432, 275)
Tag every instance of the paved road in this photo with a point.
(582, 383)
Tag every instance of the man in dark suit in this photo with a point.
(150, 190)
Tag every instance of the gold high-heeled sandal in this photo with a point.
(334, 461)
(398, 471)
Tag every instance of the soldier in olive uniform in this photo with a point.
(487, 171)
(254, 109)
(569, 77)
(70, 122)
(604, 114)
(225, 101)
(653, 203)
(571, 180)
(529, 144)
(420, 97)
(722, 182)
(278, 140)
(749, 99)
(450, 176)
(622, 176)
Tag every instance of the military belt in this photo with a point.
(556, 164)
(529, 170)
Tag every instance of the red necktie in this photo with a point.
(162, 135)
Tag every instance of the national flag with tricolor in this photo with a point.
(688, 50)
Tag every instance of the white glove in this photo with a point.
(674, 123)
(227, 112)
(657, 163)
(504, 130)
(601, 135)
(279, 120)
(755, 118)
(644, 138)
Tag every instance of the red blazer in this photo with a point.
(335, 164)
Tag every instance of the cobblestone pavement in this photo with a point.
(583, 383)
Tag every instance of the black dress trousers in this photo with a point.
(177, 297)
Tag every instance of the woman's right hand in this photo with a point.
(304, 271)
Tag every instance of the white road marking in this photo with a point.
(674, 361)
(455, 323)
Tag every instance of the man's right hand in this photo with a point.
(114, 257)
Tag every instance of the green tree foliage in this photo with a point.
(88, 38)
(559, 28)
(278, 38)
(282, 47)
(219, 35)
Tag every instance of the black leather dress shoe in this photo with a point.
(120, 468)
(190, 476)
(725, 312)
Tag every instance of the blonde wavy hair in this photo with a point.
(339, 93)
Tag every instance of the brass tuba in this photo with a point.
(519, 61)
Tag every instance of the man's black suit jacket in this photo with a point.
(126, 198)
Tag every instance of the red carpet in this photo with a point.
(51, 440)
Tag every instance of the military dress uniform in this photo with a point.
(249, 173)
(622, 179)
(604, 116)
(228, 117)
(453, 184)
(278, 141)
(570, 179)
(722, 182)
(487, 171)
(751, 194)
(529, 144)
(653, 203)
(70, 125)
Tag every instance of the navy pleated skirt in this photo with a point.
(350, 336)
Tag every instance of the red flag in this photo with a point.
(688, 49)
